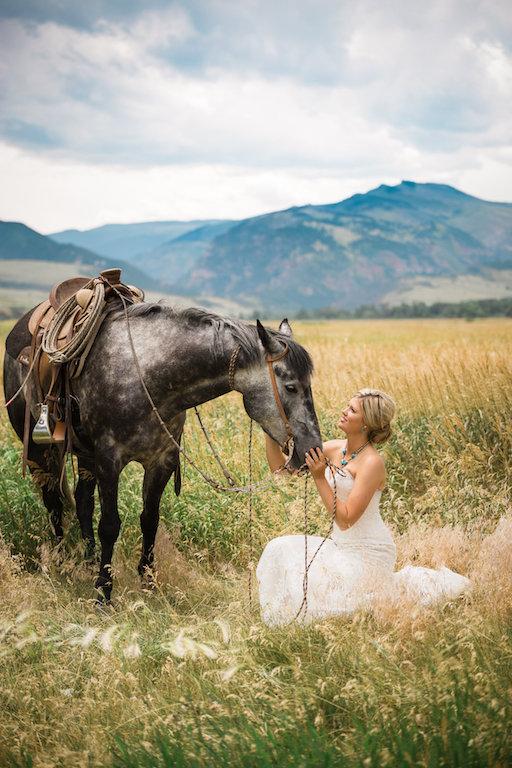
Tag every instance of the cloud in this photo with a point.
(115, 94)
(77, 15)
(112, 102)
(52, 196)
(335, 91)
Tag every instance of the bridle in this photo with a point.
(270, 363)
(270, 360)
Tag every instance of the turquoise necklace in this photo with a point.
(345, 461)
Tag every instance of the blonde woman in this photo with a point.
(343, 570)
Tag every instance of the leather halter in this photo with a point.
(270, 362)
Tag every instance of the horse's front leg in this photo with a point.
(107, 475)
(156, 478)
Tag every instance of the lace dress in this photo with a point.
(347, 570)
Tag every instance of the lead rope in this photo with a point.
(248, 489)
(210, 480)
(25, 380)
(251, 552)
(304, 605)
(225, 470)
(306, 567)
(184, 470)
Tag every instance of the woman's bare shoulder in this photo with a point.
(373, 461)
(373, 464)
(331, 447)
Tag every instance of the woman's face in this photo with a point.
(351, 419)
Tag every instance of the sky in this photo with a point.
(123, 110)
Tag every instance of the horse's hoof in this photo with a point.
(104, 606)
(147, 576)
(90, 554)
(104, 592)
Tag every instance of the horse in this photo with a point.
(185, 358)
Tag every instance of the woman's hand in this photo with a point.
(316, 462)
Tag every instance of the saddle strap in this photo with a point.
(28, 398)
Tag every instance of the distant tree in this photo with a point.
(464, 309)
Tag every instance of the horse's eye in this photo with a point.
(291, 388)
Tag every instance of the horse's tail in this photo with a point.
(177, 478)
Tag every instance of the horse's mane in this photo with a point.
(244, 334)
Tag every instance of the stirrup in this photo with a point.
(42, 432)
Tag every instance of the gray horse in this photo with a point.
(184, 358)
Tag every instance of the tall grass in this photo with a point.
(188, 675)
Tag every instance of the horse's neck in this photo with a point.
(182, 365)
(203, 368)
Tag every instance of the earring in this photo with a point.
(363, 429)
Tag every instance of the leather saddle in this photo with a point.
(51, 380)
(44, 313)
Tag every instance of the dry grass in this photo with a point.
(187, 674)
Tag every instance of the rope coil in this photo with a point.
(85, 331)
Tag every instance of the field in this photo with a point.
(187, 675)
(495, 284)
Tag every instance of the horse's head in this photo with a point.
(286, 409)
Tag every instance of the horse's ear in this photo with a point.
(270, 345)
(285, 327)
(263, 334)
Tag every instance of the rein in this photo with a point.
(251, 487)
(215, 484)
(277, 398)
(307, 565)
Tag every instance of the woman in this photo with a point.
(359, 554)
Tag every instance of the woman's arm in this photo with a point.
(368, 480)
(275, 457)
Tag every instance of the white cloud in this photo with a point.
(50, 195)
(224, 109)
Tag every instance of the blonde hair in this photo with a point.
(378, 411)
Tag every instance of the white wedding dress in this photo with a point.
(350, 567)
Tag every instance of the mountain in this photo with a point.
(393, 244)
(175, 258)
(31, 263)
(20, 243)
(129, 241)
(366, 249)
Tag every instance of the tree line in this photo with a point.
(465, 309)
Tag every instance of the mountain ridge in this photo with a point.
(128, 241)
(357, 249)
(384, 244)
(18, 242)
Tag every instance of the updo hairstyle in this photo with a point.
(378, 411)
